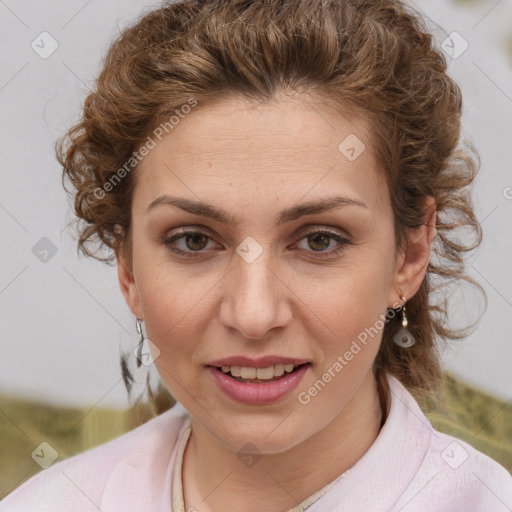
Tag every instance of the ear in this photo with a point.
(127, 283)
(412, 262)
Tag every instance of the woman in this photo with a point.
(272, 179)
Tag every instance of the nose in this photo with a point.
(255, 300)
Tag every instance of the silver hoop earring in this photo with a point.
(403, 338)
(138, 325)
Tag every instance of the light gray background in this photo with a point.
(63, 321)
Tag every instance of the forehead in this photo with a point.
(294, 147)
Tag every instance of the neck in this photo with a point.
(213, 479)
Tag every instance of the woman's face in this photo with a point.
(293, 260)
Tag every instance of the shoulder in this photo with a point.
(459, 472)
(79, 483)
(453, 475)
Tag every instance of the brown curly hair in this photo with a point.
(373, 57)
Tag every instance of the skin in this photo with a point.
(297, 299)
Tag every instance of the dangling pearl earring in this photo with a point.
(403, 338)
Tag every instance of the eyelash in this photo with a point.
(169, 242)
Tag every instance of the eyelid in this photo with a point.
(321, 228)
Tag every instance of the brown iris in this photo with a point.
(196, 241)
(318, 239)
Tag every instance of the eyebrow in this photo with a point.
(290, 214)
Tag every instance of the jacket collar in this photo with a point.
(381, 476)
(141, 481)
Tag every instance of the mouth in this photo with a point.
(258, 386)
(250, 374)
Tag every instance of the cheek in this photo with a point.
(173, 324)
(173, 306)
(173, 320)
(351, 327)
(347, 338)
(352, 296)
(346, 315)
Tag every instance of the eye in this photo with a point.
(193, 241)
(321, 240)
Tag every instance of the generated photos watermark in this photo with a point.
(157, 134)
(305, 397)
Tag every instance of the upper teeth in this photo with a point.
(247, 372)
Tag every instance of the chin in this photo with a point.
(271, 435)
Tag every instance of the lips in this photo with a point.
(258, 391)
(258, 381)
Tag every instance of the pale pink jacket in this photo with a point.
(409, 468)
